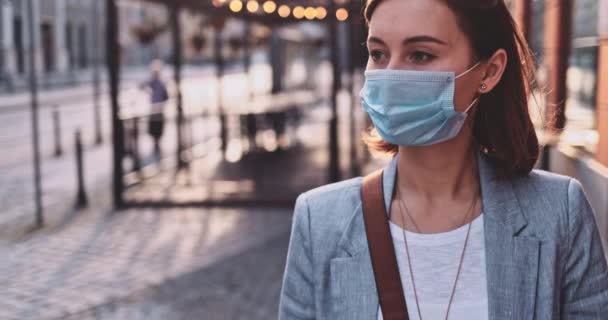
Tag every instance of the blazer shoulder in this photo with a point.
(540, 183)
(330, 208)
(543, 177)
(548, 200)
(333, 194)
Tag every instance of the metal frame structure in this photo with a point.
(113, 66)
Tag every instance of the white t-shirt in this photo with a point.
(435, 258)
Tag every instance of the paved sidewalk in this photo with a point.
(59, 186)
(246, 286)
(113, 262)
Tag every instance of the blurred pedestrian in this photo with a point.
(158, 97)
(458, 225)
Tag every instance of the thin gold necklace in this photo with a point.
(409, 262)
(407, 211)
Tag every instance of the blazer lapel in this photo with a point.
(511, 256)
(353, 240)
(353, 287)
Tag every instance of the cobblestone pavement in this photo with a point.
(59, 185)
(117, 265)
(245, 286)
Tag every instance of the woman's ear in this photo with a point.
(494, 68)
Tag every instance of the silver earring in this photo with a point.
(483, 86)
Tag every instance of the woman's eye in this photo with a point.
(376, 55)
(421, 57)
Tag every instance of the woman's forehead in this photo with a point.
(396, 20)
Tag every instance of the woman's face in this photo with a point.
(423, 35)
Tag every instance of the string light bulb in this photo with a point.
(252, 6)
(298, 12)
(269, 6)
(236, 6)
(218, 3)
(284, 11)
(310, 13)
(321, 13)
(341, 14)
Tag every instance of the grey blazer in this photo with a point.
(544, 257)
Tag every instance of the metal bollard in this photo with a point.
(135, 146)
(57, 131)
(81, 197)
(223, 133)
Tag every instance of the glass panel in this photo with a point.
(582, 76)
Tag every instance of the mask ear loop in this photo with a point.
(468, 70)
(464, 73)
(471, 105)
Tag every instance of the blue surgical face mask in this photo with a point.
(413, 108)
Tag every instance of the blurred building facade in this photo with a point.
(68, 35)
(70, 39)
(570, 40)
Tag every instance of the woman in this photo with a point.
(475, 232)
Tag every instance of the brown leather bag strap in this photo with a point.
(381, 249)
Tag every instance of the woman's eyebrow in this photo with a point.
(377, 40)
(407, 41)
(423, 38)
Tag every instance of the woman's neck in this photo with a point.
(438, 172)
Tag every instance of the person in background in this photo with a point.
(157, 90)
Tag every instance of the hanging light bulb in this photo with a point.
(252, 6)
(310, 13)
(298, 12)
(269, 6)
(218, 3)
(321, 13)
(236, 6)
(341, 14)
(284, 11)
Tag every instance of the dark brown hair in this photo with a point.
(502, 126)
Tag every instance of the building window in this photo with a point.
(18, 42)
(83, 57)
(48, 47)
(69, 43)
